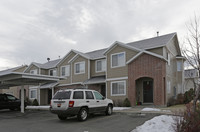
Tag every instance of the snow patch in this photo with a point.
(121, 108)
(38, 107)
(161, 123)
(150, 109)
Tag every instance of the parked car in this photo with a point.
(8, 101)
(80, 102)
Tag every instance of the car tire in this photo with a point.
(109, 110)
(83, 114)
(62, 118)
(12, 109)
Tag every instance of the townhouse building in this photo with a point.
(148, 71)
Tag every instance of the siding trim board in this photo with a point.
(115, 79)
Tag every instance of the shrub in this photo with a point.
(188, 96)
(126, 103)
(35, 102)
(180, 99)
(28, 101)
(171, 101)
(190, 121)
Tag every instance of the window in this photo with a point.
(100, 65)
(33, 71)
(10, 97)
(179, 66)
(78, 95)
(62, 95)
(118, 88)
(65, 70)
(89, 95)
(118, 60)
(98, 96)
(79, 67)
(33, 93)
(168, 87)
(52, 72)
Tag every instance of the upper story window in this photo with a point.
(179, 66)
(101, 65)
(79, 67)
(118, 59)
(65, 70)
(33, 71)
(52, 72)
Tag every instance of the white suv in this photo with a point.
(80, 102)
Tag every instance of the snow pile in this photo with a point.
(121, 108)
(154, 109)
(150, 109)
(161, 123)
(38, 107)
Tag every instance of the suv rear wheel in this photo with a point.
(109, 110)
(83, 114)
(61, 117)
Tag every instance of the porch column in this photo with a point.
(22, 99)
(52, 91)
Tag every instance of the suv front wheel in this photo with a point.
(109, 110)
(83, 114)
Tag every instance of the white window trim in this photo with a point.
(124, 88)
(168, 58)
(65, 71)
(116, 54)
(30, 93)
(75, 67)
(101, 65)
(53, 70)
(35, 71)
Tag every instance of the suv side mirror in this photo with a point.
(103, 98)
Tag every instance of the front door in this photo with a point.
(49, 95)
(148, 91)
(103, 90)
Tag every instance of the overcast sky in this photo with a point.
(32, 30)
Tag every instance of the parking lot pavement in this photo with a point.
(44, 121)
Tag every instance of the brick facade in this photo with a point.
(152, 67)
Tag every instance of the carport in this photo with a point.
(12, 79)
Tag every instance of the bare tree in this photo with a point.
(191, 51)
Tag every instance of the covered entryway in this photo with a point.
(11, 79)
(144, 90)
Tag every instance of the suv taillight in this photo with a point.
(71, 103)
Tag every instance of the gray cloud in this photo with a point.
(34, 30)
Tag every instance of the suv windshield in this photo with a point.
(62, 95)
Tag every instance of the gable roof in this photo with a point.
(97, 54)
(154, 42)
(47, 65)
(7, 71)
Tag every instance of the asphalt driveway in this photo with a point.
(44, 121)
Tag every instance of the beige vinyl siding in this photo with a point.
(21, 69)
(158, 51)
(64, 63)
(33, 67)
(44, 72)
(175, 78)
(79, 77)
(119, 71)
(116, 98)
(93, 69)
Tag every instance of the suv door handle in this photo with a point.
(97, 101)
(87, 101)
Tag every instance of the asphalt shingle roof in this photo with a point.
(152, 42)
(47, 65)
(142, 44)
(9, 70)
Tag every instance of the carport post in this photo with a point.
(22, 99)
